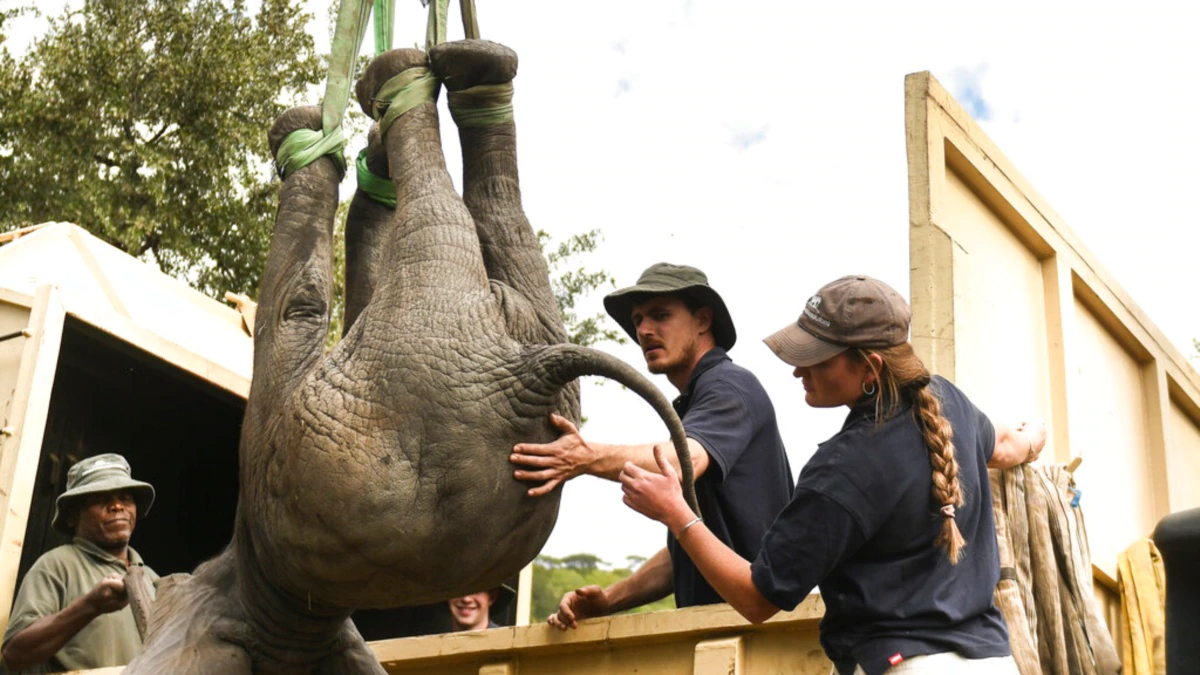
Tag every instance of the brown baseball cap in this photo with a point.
(853, 311)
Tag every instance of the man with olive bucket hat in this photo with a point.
(742, 474)
(72, 611)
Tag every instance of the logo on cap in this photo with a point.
(815, 302)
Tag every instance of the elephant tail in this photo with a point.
(557, 365)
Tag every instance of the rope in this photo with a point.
(374, 186)
(470, 21)
(482, 105)
(435, 31)
(384, 18)
(402, 93)
(305, 146)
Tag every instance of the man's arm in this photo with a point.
(1017, 445)
(570, 456)
(652, 581)
(39, 641)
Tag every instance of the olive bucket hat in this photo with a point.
(668, 279)
(103, 473)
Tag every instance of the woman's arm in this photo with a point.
(1017, 445)
(658, 496)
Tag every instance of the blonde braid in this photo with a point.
(937, 433)
(903, 375)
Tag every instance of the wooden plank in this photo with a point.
(93, 265)
(503, 668)
(720, 657)
(13, 235)
(525, 595)
(133, 333)
(1158, 407)
(1060, 322)
(931, 269)
(610, 632)
(21, 444)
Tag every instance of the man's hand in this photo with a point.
(582, 603)
(553, 463)
(108, 595)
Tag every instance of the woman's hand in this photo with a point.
(656, 495)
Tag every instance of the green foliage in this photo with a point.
(569, 284)
(145, 122)
(554, 577)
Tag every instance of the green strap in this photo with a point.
(482, 105)
(435, 31)
(404, 92)
(376, 187)
(470, 21)
(305, 146)
(384, 20)
(347, 39)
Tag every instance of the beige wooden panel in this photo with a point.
(12, 318)
(999, 310)
(1110, 433)
(23, 428)
(681, 641)
(1183, 458)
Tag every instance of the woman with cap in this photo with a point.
(892, 516)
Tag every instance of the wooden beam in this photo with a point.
(25, 425)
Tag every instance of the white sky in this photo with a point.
(764, 143)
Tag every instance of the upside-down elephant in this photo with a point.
(376, 474)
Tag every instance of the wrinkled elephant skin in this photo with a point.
(377, 474)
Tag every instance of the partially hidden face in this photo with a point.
(669, 332)
(107, 519)
(471, 612)
(836, 381)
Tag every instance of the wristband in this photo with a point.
(691, 522)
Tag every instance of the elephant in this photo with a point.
(376, 474)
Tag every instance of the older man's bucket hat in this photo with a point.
(667, 279)
(103, 473)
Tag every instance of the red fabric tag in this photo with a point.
(895, 658)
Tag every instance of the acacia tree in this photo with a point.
(145, 123)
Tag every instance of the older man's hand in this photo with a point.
(109, 595)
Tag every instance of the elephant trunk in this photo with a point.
(557, 365)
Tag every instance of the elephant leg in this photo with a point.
(294, 296)
(194, 625)
(366, 223)
(431, 251)
(478, 75)
(353, 656)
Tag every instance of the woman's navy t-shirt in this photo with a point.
(862, 524)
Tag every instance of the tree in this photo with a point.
(571, 284)
(146, 122)
(554, 577)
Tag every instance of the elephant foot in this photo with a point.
(478, 74)
(468, 63)
(395, 79)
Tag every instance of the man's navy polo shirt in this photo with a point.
(748, 481)
(862, 525)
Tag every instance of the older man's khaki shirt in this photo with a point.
(57, 579)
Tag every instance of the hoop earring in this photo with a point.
(864, 388)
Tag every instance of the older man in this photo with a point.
(72, 612)
(742, 474)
